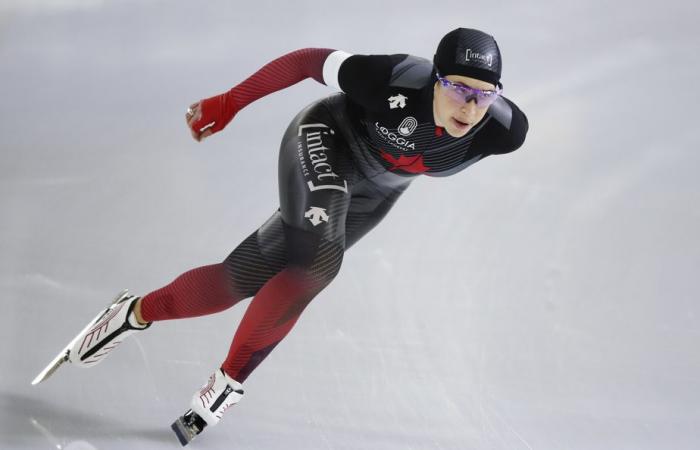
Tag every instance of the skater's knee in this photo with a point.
(313, 254)
(249, 268)
(316, 260)
(323, 269)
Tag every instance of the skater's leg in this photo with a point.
(370, 203)
(315, 175)
(279, 303)
(277, 306)
(213, 288)
(200, 291)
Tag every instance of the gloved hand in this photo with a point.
(210, 115)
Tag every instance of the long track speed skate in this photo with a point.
(103, 326)
(188, 426)
(208, 406)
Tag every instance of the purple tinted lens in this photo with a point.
(464, 94)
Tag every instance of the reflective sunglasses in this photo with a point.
(461, 93)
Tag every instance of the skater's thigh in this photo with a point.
(369, 204)
(316, 174)
(259, 257)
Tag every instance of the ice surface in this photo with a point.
(549, 303)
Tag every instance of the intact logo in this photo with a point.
(397, 101)
(314, 160)
(482, 58)
(408, 126)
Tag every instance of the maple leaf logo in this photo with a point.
(406, 163)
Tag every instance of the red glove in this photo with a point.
(213, 114)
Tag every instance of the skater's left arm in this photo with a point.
(505, 130)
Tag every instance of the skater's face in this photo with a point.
(457, 116)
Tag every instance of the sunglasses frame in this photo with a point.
(468, 93)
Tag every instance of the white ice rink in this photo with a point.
(543, 300)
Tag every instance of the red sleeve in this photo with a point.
(276, 75)
(281, 73)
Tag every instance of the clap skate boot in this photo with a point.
(101, 335)
(208, 406)
(116, 323)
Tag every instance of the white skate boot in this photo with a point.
(208, 406)
(114, 325)
(101, 335)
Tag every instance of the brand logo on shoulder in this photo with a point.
(408, 126)
(397, 101)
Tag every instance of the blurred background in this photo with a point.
(549, 303)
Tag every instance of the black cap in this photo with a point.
(470, 53)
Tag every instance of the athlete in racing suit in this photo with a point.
(344, 161)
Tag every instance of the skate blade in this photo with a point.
(51, 368)
(63, 354)
(184, 433)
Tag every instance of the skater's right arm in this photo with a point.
(213, 114)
